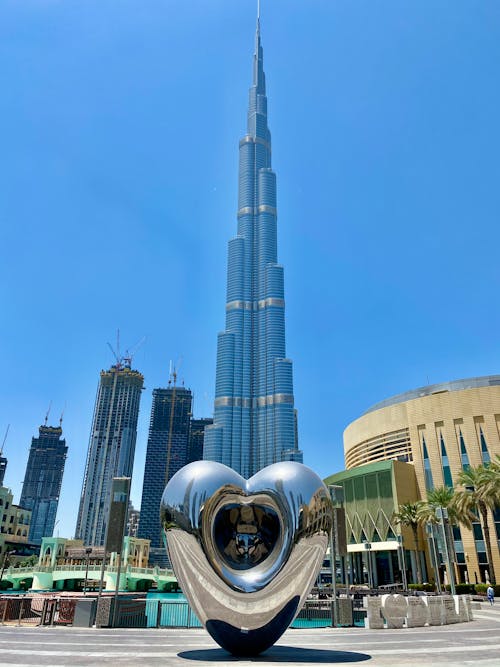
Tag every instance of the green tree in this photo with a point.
(444, 496)
(480, 493)
(409, 516)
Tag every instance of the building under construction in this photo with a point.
(167, 452)
(111, 447)
(43, 479)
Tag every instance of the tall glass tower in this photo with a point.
(167, 452)
(43, 479)
(254, 417)
(111, 448)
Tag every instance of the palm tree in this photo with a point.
(409, 516)
(444, 496)
(481, 493)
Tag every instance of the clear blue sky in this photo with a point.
(118, 167)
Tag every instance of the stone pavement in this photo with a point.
(476, 643)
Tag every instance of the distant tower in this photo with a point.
(167, 452)
(3, 459)
(3, 468)
(43, 479)
(111, 447)
(254, 420)
(197, 437)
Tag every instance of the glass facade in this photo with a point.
(111, 448)
(197, 438)
(42, 481)
(447, 478)
(3, 468)
(485, 455)
(429, 482)
(167, 452)
(463, 452)
(254, 418)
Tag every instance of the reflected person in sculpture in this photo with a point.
(246, 552)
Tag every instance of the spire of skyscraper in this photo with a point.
(254, 417)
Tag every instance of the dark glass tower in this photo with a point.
(254, 421)
(111, 448)
(197, 438)
(42, 481)
(167, 452)
(3, 468)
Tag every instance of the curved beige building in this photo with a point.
(439, 429)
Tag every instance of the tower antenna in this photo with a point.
(4, 439)
(258, 10)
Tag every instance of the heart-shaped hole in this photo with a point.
(245, 535)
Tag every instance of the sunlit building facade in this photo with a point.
(43, 480)
(111, 448)
(440, 429)
(254, 420)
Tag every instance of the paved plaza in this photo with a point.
(476, 643)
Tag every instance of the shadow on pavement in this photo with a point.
(277, 654)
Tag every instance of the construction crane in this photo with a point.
(47, 413)
(4, 439)
(172, 380)
(124, 361)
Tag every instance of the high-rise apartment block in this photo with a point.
(43, 479)
(254, 420)
(167, 452)
(111, 447)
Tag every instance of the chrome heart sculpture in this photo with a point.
(246, 553)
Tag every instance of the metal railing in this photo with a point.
(37, 610)
(132, 612)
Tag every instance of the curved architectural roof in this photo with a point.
(456, 385)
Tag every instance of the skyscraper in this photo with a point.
(197, 438)
(43, 479)
(111, 447)
(167, 452)
(254, 421)
(3, 468)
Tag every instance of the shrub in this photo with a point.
(429, 588)
(481, 589)
(465, 589)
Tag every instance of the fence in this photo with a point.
(153, 613)
(37, 610)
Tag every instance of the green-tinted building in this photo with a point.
(373, 494)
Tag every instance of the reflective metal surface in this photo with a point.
(246, 553)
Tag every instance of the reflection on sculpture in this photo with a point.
(246, 553)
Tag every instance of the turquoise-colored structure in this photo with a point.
(56, 570)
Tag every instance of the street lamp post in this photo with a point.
(402, 562)
(88, 551)
(368, 548)
(433, 552)
(442, 514)
(337, 498)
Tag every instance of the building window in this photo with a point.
(484, 447)
(429, 482)
(463, 452)
(478, 532)
(448, 481)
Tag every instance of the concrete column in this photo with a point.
(42, 581)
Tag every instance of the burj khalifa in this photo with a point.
(254, 415)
